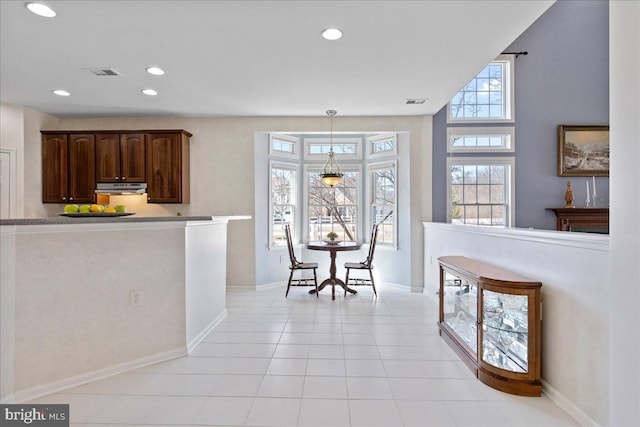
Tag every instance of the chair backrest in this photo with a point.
(372, 245)
(292, 255)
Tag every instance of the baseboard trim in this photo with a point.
(57, 386)
(568, 406)
(198, 339)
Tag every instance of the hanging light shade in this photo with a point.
(331, 172)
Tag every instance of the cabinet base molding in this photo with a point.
(508, 385)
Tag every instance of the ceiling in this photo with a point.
(251, 58)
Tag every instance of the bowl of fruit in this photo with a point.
(93, 210)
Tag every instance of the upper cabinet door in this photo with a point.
(82, 168)
(132, 157)
(108, 158)
(163, 168)
(54, 168)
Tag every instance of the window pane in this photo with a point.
(284, 146)
(495, 111)
(456, 194)
(470, 174)
(484, 215)
(456, 174)
(497, 193)
(470, 214)
(486, 89)
(383, 145)
(483, 174)
(469, 194)
(497, 174)
(481, 198)
(283, 198)
(483, 142)
(499, 215)
(333, 209)
(484, 194)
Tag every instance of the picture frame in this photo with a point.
(583, 150)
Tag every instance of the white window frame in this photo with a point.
(371, 168)
(506, 133)
(509, 182)
(372, 140)
(293, 167)
(293, 140)
(317, 168)
(327, 141)
(508, 95)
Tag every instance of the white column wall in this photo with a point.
(624, 292)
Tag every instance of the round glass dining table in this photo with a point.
(333, 248)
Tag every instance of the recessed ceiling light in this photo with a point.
(155, 71)
(40, 9)
(61, 92)
(416, 100)
(149, 92)
(332, 34)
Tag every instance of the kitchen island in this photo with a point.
(85, 298)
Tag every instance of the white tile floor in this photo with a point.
(276, 361)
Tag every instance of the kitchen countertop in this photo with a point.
(113, 219)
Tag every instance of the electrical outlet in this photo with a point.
(135, 298)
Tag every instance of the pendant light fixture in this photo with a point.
(331, 172)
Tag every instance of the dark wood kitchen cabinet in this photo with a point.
(120, 157)
(73, 161)
(68, 168)
(168, 166)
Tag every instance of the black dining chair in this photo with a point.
(298, 265)
(367, 264)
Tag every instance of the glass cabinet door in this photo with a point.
(505, 331)
(460, 308)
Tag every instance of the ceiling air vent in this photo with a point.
(104, 71)
(416, 100)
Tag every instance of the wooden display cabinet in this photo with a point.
(492, 319)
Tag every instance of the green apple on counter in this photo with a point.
(71, 208)
(85, 208)
(121, 208)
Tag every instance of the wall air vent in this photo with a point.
(104, 71)
(416, 100)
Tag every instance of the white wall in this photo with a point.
(12, 138)
(67, 317)
(574, 271)
(205, 297)
(71, 287)
(624, 295)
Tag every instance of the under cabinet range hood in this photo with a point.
(121, 188)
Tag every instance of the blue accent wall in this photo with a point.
(563, 80)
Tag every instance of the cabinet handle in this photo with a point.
(70, 198)
(64, 198)
(117, 178)
(124, 177)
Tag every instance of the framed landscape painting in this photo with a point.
(583, 150)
